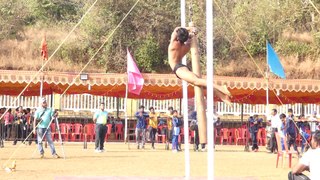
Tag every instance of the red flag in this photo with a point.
(44, 48)
(135, 79)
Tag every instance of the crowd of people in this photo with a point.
(287, 127)
(16, 125)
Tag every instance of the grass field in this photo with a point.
(118, 162)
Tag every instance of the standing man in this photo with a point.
(45, 116)
(141, 127)
(254, 127)
(291, 131)
(100, 118)
(276, 127)
(153, 123)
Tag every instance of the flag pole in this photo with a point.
(267, 77)
(185, 102)
(210, 103)
(125, 113)
(41, 82)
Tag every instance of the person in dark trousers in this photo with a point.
(291, 131)
(153, 125)
(254, 122)
(194, 127)
(19, 125)
(141, 127)
(100, 118)
(176, 131)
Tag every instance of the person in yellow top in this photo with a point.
(169, 125)
(153, 124)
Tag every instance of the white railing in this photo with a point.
(87, 102)
(160, 105)
(260, 109)
(24, 101)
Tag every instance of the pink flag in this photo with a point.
(135, 79)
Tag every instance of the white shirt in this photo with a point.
(276, 122)
(312, 159)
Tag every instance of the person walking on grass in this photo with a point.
(100, 118)
(44, 115)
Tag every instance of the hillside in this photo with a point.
(292, 27)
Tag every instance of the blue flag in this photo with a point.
(274, 62)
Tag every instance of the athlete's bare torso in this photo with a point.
(177, 50)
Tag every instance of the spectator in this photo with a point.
(141, 127)
(276, 126)
(176, 131)
(194, 127)
(254, 122)
(8, 121)
(19, 125)
(302, 125)
(282, 131)
(153, 124)
(310, 161)
(169, 116)
(291, 131)
(218, 125)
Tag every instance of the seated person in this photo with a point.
(310, 161)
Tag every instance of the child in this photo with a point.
(282, 131)
(176, 131)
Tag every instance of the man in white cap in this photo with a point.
(44, 116)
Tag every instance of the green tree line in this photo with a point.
(240, 27)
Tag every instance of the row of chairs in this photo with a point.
(79, 132)
(239, 136)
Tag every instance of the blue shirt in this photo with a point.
(141, 120)
(290, 127)
(45, 118)
(176, 128)
(101, 116)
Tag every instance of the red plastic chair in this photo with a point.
(77, 132)
(259, 137)
(181, 135)
(231, 135)
(65, 131)
(238, 138)
(161, 137)
(243, 135)
(53, 131)
(109, 130)
(224, 135)
(89, 132)
(119, 131)
(283, 154)
(191, 136)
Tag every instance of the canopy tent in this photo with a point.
(160, 86)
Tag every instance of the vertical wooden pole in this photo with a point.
(198, 91)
